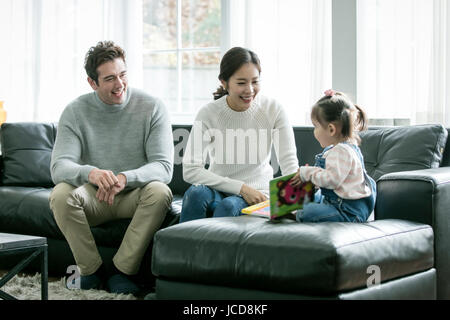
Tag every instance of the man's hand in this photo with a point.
(104, 178)
(252, 196)
(108, 196)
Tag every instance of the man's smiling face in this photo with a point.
(112, 81)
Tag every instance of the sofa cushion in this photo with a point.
(26, 210)
(26, 153)
(314, 258)
(406, 148)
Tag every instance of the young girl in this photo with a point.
(346, 193)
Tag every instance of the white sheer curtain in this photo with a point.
(404, 60)
(43, 47)
(293, 41)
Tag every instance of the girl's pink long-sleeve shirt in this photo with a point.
(343, 173)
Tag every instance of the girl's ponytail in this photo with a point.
(361, 119)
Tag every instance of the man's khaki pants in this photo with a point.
(77, 209)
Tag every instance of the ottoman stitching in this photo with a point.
(384, 236)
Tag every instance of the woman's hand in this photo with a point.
(252, 196)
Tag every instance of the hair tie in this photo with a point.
(330, 92)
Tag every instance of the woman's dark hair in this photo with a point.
(103, 52)
(231, 62)
(339, 109)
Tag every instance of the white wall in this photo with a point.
(344, 46)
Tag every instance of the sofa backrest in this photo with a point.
(26, 151)
(389, 149)
(446, 157)
(395, 149)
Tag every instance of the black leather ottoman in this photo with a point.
(251, 258)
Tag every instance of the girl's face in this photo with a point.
(242, 87)
(325, 135)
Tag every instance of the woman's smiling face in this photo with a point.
(242, 87)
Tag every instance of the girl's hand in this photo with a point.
(252, 196)
(296, 180)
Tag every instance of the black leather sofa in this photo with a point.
(402, 254)
(25, 186)
(185, 259)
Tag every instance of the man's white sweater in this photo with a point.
(238, 146)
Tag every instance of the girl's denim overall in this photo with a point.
(328, 206)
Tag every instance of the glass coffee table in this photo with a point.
(11, 244)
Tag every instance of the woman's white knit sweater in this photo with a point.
(237, 146)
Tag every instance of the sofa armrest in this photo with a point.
(421, 196)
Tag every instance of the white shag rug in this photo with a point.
(29, 288)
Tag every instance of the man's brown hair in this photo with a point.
(103, 52)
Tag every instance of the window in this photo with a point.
(403, 58)
(185, 39)
(173, 50)
(181, 47)
(43, 47)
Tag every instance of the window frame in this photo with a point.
(179, 116)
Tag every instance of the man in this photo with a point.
(113, 159)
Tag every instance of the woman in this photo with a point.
(236, 133)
